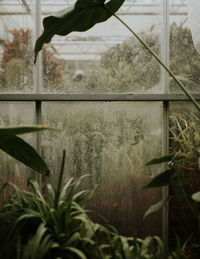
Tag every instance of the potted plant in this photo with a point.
(185, 141)
(182, 177)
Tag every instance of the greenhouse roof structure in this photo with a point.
(139, 14)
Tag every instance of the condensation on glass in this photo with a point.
(16, 46)
(110, 141)
(107, 58)
(15, 114)
(184, 58)
(182, 108)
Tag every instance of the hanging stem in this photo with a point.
(156, 57)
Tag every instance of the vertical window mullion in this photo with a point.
(164, 82)
(38, 65)
(38, 74)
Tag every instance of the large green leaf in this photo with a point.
(25, 153)
(160, 180)
(163, 159)
(159, 205)
(12, 131)
(83, 16)
(160, 160)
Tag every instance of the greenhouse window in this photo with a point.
(111, 100)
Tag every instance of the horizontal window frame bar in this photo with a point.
(96, 97)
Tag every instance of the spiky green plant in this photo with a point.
(53, 223)
(48, 224)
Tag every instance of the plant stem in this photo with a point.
(156, 57)
(60, 179)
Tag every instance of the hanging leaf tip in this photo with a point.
(89, 12)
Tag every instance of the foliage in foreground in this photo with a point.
(19, 149)
(53, 223)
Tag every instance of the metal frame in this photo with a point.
(165, 141)
(38, 76)
(96, 97)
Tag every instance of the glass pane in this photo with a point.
(106, 59)
(13, 114)
(16, 48)
(185, 141)
(184, 58)
(111, 141)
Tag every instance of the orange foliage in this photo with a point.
(20, 47)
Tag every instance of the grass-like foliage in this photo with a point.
(53, 223)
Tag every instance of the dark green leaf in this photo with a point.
(12, 131)
(3, 187)
(160, 180)
(160, 160)
(39, 244)
(84, 15)
(164, 159)
(196, 196)
(25, 153)
(156, 206)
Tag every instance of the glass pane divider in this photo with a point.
(165, 88)
(37, 74)
(38, 121)
(96, 97)
(38, 66)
